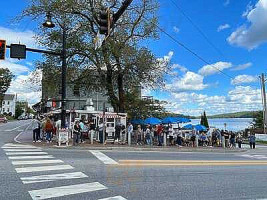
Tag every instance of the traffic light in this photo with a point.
(2, 49)
(104, 21)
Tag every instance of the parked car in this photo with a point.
(3, 120)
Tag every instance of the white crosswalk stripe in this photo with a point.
(52, 177)
(29, 157)
(114, 198)
(66, 190)
(263, 157)
(43, 168)
(35, 162)
(104, 158)
(21, 150)
(25, 153)
(18, 146)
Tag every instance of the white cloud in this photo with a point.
(242, 79)
(190, 81)
(214, 68)
(241, 98)
(255, 33)
(180, 67)
(248, 9)
(222, 27)
(16, 69)
(14, 36)
(242, 66)
(25, 89)
(176, 29)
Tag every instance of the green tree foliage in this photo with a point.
(204, 120)
(5, 80)
(138, 108)
(19, 110)
(120, 63)
(258, 120)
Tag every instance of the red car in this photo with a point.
(3, 119)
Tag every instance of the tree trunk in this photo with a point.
(121, 93)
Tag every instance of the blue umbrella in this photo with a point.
(183, 120)
(137, 121)
(169, 120)
(152, 121)
(188, 126)
(200, 127)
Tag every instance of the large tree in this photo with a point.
(122, 62)
(5, 80)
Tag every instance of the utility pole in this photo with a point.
(263, 94)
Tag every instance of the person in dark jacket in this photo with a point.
(76, 133)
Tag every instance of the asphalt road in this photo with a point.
(27, 172)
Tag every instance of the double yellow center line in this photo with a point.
(190, 162)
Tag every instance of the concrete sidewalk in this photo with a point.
(26, 138)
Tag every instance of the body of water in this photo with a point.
(232, 124)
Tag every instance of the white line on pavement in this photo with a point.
(16, 138)
(114, 198)
(104, 158)
(29, 157)
(17, 127)
(66, 190)
(43, 168)
(19, 147)
(16, 145)
(35, 162)
(52, 177)
(25, 153)
(22, 150)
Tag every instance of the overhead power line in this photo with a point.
(198, 29)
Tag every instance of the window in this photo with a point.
(3, 109)
(7, 102)
(8, 110)
(3, 102)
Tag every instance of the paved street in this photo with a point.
(29, 172)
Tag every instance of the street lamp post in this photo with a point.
(49, 24)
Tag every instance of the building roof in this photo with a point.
(9, 96)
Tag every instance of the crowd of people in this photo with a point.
(46, 128)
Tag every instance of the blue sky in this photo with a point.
(235, 28)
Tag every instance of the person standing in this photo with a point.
(36, 125)
(159, 134)
(58, 126)
(252, 140)
(239, 140)
(130, 133)
(148, 135)
(232, 140)
(48, 129)
(117, 132)
(76, 133)
(170, 131)
(139, 135)
(82, 126)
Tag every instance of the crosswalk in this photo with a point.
(254, 156)
(29, 160)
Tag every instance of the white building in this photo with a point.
(9, 104)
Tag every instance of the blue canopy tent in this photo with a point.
(182, 120)
(188, 126)
(152, 121)
(169, 120)
(137, 121)
(200, 127)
